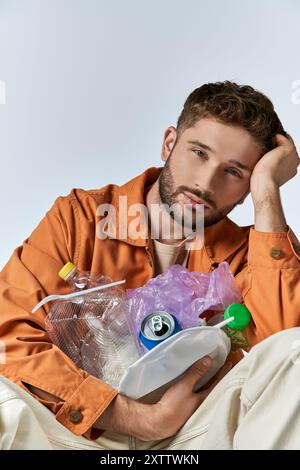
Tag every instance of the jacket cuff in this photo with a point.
(275, 250)
(84, 407)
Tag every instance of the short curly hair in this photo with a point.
(234, 104)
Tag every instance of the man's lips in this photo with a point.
(194, 200)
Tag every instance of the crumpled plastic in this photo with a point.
(93, 330)
(184, 294)
(99, 331)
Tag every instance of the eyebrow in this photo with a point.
(207, 147)
(200, 144)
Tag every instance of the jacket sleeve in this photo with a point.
(28, 356)
(270, 283)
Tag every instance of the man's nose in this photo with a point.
(208, 182)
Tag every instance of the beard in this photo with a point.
(168, 195)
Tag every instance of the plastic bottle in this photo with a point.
(92, 328)
(78, 280)
(233, 329)
(65, 322)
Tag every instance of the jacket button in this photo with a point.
(276, 253)
(296, 248)
(75, 416)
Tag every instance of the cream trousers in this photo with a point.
(256, 406)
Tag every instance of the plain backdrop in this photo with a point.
(91, 85)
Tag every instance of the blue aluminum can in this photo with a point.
(156, 327)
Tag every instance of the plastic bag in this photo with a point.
(99, 330)
(149, 377)
(184, 294)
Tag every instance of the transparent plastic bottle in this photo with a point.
(92, 328)
(65, 323)
(80, 280)
(77, 280)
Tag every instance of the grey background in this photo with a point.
(92, 84)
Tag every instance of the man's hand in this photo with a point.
(278, 165)
(273, 170)
(165, 418)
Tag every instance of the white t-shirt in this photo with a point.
(165, 255)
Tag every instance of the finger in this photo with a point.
(216, 379)
(281, 139)
(182, 389)
(178, 403)
(198, 369)
(221, 374)
(290, 138)
(204, 392)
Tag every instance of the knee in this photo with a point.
(285, 342)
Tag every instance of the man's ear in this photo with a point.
(170, 136)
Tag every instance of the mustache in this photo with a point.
(200, 194)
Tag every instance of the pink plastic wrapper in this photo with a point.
(184, 294)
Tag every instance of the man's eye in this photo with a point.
(233, 172)
(200, 153)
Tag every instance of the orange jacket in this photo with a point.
(265, 265)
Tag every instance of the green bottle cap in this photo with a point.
(241, 316)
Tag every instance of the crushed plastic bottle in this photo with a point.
(92, 329)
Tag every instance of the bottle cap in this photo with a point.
(66, 270)
(241, 316)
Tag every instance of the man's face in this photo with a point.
(210, 161)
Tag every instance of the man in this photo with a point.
(228, 143)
